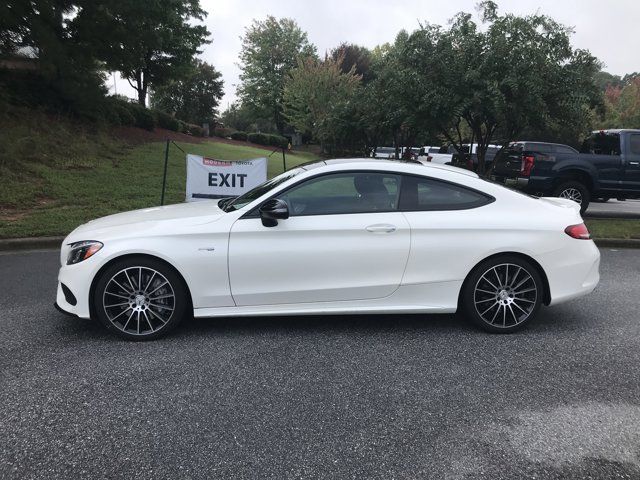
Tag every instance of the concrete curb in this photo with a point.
(43, 243)
(34, 243)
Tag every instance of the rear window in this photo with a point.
(602, 143)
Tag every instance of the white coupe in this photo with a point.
(333, 237)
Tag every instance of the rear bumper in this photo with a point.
(573, 271)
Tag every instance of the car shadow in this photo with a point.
(549, 320)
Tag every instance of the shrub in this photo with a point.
(239, 136)
(223, 132)
(194, 130)
(164, 120)
(278, 141)
(143, 116)
(259, 138)
(268, 139)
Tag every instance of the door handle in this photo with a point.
(381, 228)
(634, 163)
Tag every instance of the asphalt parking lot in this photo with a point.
(321, 397)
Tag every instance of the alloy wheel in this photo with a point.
(572, 194)
(138, 300)
(505, 295)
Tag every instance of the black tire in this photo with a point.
(164, 305)
(570, 189)
(502, 309)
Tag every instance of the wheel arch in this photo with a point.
(583, 176)
(113, 260)
(547, 291)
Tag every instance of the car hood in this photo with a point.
(168, 217)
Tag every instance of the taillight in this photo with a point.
(578, 231)
(429, 158)
(527, 165)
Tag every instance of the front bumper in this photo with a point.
(77, 279)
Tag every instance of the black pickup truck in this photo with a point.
(608, 166)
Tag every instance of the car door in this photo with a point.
(631, 175)
(344, 240)
(446, 228)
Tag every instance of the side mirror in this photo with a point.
(273, 210)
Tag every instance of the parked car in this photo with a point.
(468, 158)
(384, 152)
(609, 166)
(440, 155)
(333, 237)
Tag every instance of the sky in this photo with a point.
(610, 29)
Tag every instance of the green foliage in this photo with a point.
(57, 173)
(514, 74)
(223, 132)
(56, 68)
(194, 130)
(259, 138)
(278, 141)
(622, 103)
(354, 57)
(239, 136)
(150, 43)
(318, 97)
(193, 99)
(243, 117)
(270, 50)
(268, 139)
(144, 118)
(164, 120)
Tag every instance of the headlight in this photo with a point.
(82, 250)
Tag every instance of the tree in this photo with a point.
(270, 50)
(318, 98)
(195, 98)
(517, 73)
(62, 73)
(356, 57)
(150, 43)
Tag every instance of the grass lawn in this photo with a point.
(614, 228)
(55, 180)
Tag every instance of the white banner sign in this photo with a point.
(210, 178)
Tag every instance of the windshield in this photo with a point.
(231, 204)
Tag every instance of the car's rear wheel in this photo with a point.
(502, 294)
(576, 191)
(140, 298)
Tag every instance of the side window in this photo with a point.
(342, 193)
(424, 194)
(635, 144)
(564, 149)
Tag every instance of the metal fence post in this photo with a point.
(164, 176)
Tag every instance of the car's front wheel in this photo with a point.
(502, 294)
(140, 298)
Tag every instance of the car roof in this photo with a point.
(541, 143)
(617, 130)
(386, 164)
